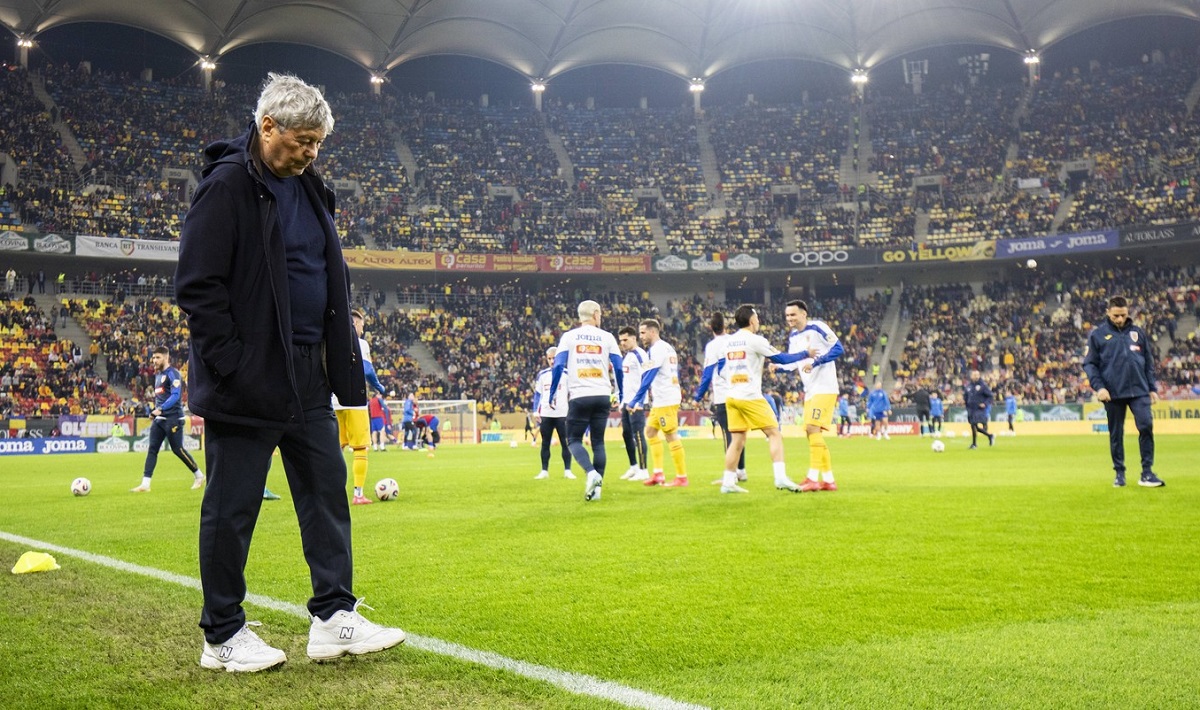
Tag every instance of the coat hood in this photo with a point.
(236, 150)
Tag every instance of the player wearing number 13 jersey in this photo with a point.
(591, 359)
(820, 347)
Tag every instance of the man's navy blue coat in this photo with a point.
(232, 282)
(1118, 359)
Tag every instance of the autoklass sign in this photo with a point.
(1141, 236)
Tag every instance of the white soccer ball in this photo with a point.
(939, 446)
(513, 445)
(387, 489)
(81, 486)
(1032, 263)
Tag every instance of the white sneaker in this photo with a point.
(733, 489)
(198, 483)
(887, 438)
(540, 476)
(787, 484)
(641, 475)
(569, 475)
(140, 489)
(244, 652)
(742, 477)
(594, 482)
(348, 632)
(633, 470)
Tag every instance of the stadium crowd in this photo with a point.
(1024, 333)
(41, 374)
(495, 179)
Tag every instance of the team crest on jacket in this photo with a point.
(1133, 336)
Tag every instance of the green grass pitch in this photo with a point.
(1014, 576)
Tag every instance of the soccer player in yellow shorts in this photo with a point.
(660, 378)
(354, 423)
(745, 351)
(820, 346)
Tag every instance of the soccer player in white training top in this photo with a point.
(742, 365)
(714, 350)
(551, 417)
(633, 422)
(591, 359)
(821, 347)
(660, 377)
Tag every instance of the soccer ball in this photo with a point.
(387, 489)
(939, 446)
(513, 445)
(81, 486)
(1032, 263)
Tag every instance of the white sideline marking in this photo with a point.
(574, 682)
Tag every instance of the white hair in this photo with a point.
(293, 104)
(588, 310)
(551, 351)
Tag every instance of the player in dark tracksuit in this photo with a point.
(1121, 371)
(920, 399)
(168, 420)
(977, 398)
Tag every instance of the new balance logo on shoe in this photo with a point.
(244, 652)
(349, 633)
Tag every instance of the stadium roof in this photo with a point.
(544, 38)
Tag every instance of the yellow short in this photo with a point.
(664, 419)
(818, 410)
(354, 428)
(749, 415)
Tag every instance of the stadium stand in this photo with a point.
(41, 374)
(1023, 335)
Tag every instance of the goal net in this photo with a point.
(457, 418)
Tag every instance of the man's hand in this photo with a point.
(773, 366)
(806, 368)
(1153, 398)
(156, 412)
(1103, 395)
(812, 352)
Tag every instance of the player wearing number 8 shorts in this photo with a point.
(660, 379)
